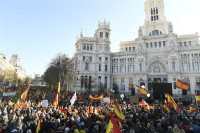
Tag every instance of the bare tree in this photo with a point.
(58, 69)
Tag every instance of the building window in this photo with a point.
(189, 43)
(185, 66)
(126, 49)
(129, 48)
(90, 48)
(99, 58)
(107, 34)
(185, 44)
(180, 44)
(84, 47)
(90, 58)
(195, 55)
(87, 47)
(164, 44)
(133, 48)
(115, 69)
(106, 81)
(106, 67)
(99, 67)
(86, 66)
(147, 45)
(83, 57)
(140, 67)
(101, 34)
(159, 43)
(155, 44)
(173, 65)
(196, 66)
(131, 68)
(151, 45)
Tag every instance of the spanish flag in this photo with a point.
(39, 125)
(197, 98)
(165, 107)
(16, 105)
(40, 104)
(91, 110)
(96, 98)
(88, 111)
(193, 109)
(181, 85)
(141, 90)
(101, 116)
(113, 127)
(120, 116)
(55, 103)
(79, 96)
(172, 103)
(23, 105)
(24, 94)
(108, 113)
(96, 111)
(59, 89)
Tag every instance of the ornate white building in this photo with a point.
(157, 55)
(13, 64)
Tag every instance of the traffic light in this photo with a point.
(77, 75)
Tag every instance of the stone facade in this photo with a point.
(13, 64)
(157, 55)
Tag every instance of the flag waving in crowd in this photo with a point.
(181, 85)
(141, 90)
(24, 94)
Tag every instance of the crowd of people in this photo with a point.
(75, 119)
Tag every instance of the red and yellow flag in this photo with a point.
(91, 110)
(141, 90)
(96, 111)
(23, 105)
(101, 116)
(108, 93)
(165, 107)
(193, 109)
(118, 113)
(55, 103)
(197, 98)
(113, 127)
(88, 111)
(24, 94)
(16, 105)
(79, 96)
(171, 102)
(39, 125)
(59, 89)
(96, 98)
(40, 104)
(181, 85)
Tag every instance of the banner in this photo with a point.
(8, 94)
(106, 100)
(44, 103)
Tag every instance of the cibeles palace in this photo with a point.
(156, 56)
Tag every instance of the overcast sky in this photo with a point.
(38, 30)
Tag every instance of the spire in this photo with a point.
(81, 34)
